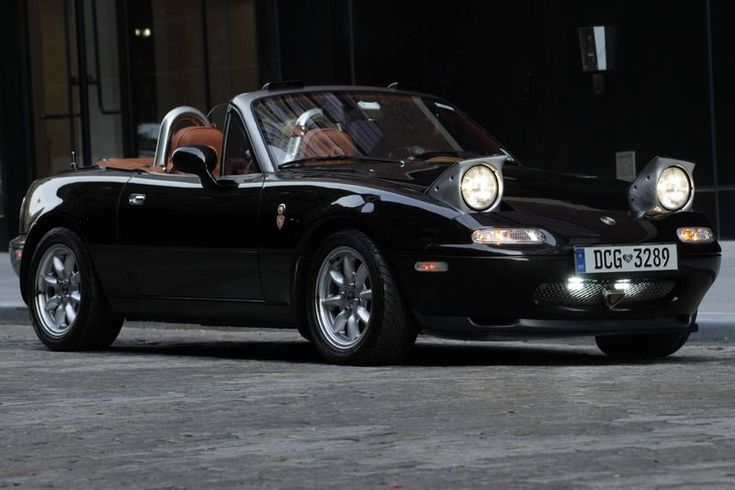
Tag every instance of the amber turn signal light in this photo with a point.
(695, 234)
(431, 266)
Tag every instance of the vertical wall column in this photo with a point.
(16, 133)
(83, 81)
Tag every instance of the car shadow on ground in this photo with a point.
(423, 354)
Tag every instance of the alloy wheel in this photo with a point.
(343, 298)
(57, 292)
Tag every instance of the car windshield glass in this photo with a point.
(320, 126)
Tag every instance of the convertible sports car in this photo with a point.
(361, 216)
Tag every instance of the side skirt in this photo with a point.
(207, 312)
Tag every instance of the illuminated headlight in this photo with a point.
(696, 234)
(673, 188)
(509, 236)
(479, 187)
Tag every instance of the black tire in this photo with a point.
(96, 326)
(391, 331)
(305, 332)
(650, 346)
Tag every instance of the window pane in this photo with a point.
(238, 155)
(188, 52)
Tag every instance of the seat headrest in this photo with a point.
(326, 142)
(198, 135)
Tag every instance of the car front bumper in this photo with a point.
(466, 329)
(506, 296)
(16, 252)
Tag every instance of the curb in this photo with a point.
(10, 315)
(715, 328)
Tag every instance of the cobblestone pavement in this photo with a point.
(192, 408)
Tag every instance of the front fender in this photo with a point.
(399, 222)
(85, 202)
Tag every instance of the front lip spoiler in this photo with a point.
(16, 252)
(464, 328)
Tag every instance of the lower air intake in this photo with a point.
(591, 293)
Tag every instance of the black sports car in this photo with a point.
(361, 216)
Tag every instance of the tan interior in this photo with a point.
(197, 135)
(145, 163)
(326, 142)
(189, 136)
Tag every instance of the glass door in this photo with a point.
(71, 112)
(186, 52)
(104, 73)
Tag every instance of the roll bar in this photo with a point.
(170, 120)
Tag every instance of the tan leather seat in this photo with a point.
(197, 135)
(326, 142)
(143, 163)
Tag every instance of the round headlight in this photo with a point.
(673, 188)
(479, 187)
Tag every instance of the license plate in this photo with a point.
(625, 258)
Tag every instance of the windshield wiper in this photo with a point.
(425, 155)
(336, 158)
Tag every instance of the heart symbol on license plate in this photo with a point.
(628, 257)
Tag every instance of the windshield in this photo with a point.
(359, 125)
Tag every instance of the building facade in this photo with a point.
(597, 88)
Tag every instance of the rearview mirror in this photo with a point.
(201, 161)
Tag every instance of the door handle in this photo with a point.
(136, 199)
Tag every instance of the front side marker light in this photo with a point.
(695, 234)
(509, 236)
(431, 266)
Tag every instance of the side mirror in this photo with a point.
(199, 160)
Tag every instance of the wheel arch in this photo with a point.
(316, 235)
(43, 225)
(318, 232)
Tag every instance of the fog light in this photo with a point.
(509, 236)
(575, 284)
(695, 234)
(622, 285)
(431, 266)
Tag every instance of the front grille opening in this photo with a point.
(586, 294)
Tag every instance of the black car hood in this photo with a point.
(526, 189)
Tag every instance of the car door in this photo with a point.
(180, 240)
